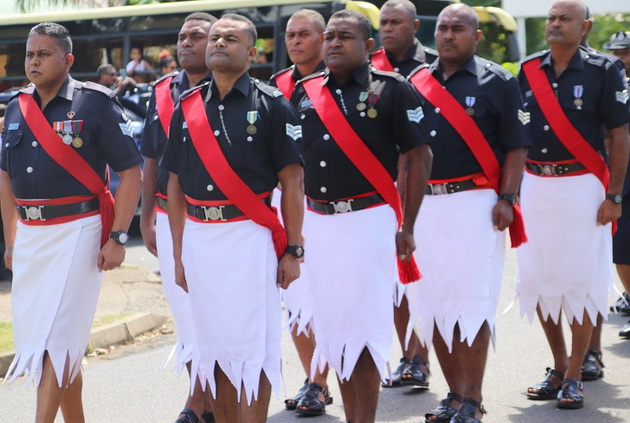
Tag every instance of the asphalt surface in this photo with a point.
(130, 384)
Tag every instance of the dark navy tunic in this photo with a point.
(493, 94)
(329, 174)
(106, 134)
(416, 56)
(256, 158)
(595, 80)
(153, 137)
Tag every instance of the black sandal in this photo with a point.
(396, 379)
(208, 416)
(466, 413)
(569, 391)
(314, 406)
(413, 375)
(592, 365)
(291, 403)
(187, 416)
(444, 412)
(545, 390)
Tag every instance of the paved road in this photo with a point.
(130, 384)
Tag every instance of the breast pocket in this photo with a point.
(11, 142)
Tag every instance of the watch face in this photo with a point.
(299, 252)
(123, 238)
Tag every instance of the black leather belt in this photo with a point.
(450, 187)
(344, 206)
(162, 203)
(553, 169)
(45, 212)
(218, 213)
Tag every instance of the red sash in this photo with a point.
(164, 102)
(466, 127)
(70, 160)
(361, 156)
(222, 173)
(286, 83)
(380, 61)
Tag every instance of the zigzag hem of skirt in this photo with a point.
(302, 320)
(343, 358)
(31, 364)
(551, 308)
(182, 352)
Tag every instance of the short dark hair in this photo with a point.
(251, 28)
(312, 15)
(365, 26)
(201, 16)
(103, 68)
(164, 61)
(55, 31)
(405, 4)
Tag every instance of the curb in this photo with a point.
(104, 336)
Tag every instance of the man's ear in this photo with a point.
(69, 60)
(369, 45)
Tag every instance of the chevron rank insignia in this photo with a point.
(126, 128)
(524, 117)
(622, 96)
(294, 132)
(415, 115)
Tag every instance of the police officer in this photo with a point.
(402, 53)
(468, 205)
(60, 135)
(191, 52)
(569, 193)
(353, 215)
(231, 141)
(303, 39)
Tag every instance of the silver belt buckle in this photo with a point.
(439, 189)
(342, 206)
(548, 169)
(33, 212)
(213, 213)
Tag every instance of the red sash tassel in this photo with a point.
(466, 127)
(222, 173)
(364, 160)
(70, 160)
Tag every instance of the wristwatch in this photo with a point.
(121, 237)
(296, 251)
(510, 198)
(615, 198)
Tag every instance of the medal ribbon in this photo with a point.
(467, 128)
(286, 83)
(380, 61)
(361, 156)
(70, 160)
(222, 173)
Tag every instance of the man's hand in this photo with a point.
(180, 275)
(148, 236)
(502, 215)
(288, 270)
(8, 257)
(111, 256)
(608, 212)
(405, 245)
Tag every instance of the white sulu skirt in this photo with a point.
(567, 262)
(351, 260)
(231, 271)
(461, 257)
(55, 291)
(177, 298)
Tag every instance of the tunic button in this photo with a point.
(362, 114)
(210, 187)
(303, 117)
(34, 143)
(338, 91)
(555, 85)
(326, 137)
(6, 144)
(221, 107)
(29, 169)
(322, 163)
(217, 133)
(323, 189)
(396, 69)
(437, 110)
(183, 139)
(544, 150)
(433, 133)
(546, 128)
(250, 139)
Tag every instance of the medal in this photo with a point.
(361, 107)
(578, 91)
(578, 102)
(372, 99)
(372, 113)
(77, 142)
(470, 102)
(362, 97)
(67, 139)
(252, 116)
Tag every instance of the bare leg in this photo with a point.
(473, 361)
(225, 406)
(257, 411)
(348, 396)
(596, 337)
(71, 402)
(305, 346)
(581, 336)
(365, 378)
(415, 347)
(623, 270)
(555, 338)
(195, 401)
(49, 393)
(452, 367)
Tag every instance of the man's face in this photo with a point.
(624, 55)
(172, 67)
(192, 41)
(456, 37)
(229, 48)
(345, 50)
(108, 78)
(46, 64)
(566, 23)
(303, 41)
(397, 29)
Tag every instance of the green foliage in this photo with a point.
(605, 26)
(6, 337)
(495, 3)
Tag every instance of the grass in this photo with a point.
(6, 329)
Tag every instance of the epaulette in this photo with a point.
(267, 89)
(394, 75)
(428, 51)
(596, 59)
(535, 55)
(312, 76)
(496, 69)
(163, 77)
(95, 87)
(189, 91)
(275, 75)
(416, 70)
